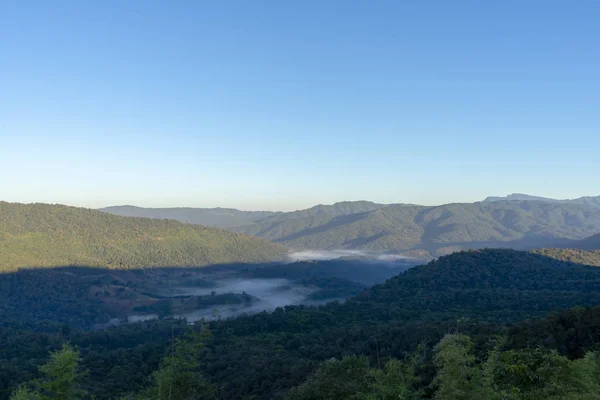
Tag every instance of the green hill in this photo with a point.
(479, 293)
(573, 255)
(468, 291)
(516, 221)
(439, 230)
(42, 235)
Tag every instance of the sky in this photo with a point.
(282, 105)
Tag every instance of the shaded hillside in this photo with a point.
(467, 291)
(41, 235)
(591, 243)
(439, 230)
(216, 217)
(263, 355)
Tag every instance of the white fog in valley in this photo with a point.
(303, 279)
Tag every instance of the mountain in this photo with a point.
(590, 201)
(473, 291)
(485, 294)
(590, 243)
(216, 217)
(438, 230)
(520, 197)
(520, 222)
(43, 235)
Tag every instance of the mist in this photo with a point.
(309, 277)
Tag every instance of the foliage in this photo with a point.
(61, 378)
(455, 378)
(178, 377)
(438, 230)
(42, 235)
(260, 356)
(573, 255)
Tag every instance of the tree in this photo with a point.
(24, 392)
(343, 379)
(456, 374)
(178, 377)
(60, 378)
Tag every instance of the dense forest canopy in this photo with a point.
(479, 293)
(436, 230)
(43, 235)
(516, 221)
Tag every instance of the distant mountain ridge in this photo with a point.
(44, 235)
(592, 201)
(216, 217)
(518, 221)
(436, 230)
(590, 243)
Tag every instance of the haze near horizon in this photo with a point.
(282, 106)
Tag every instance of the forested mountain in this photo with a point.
(516, 221)
(41, 235)
(591, 201)
(215, 217)
(439, 230)
(578, 256)
(591, 243)
(476, 291)
(263, 355)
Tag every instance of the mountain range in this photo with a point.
(43, 235)
(592, 201)
(215, 217)
(517, 221)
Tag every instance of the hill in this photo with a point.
(467, 291)
(572, 255)
(590, 201)
(591, 243)
(263, 355)
(42, 235)
(516, 221)
(438, 230)
(215, 217)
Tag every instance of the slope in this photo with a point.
(439, 230)
(216, 217)
(590, 201)
(463, 291)
(42, 235)
(590, 243)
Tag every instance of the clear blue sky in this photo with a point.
(286, 104)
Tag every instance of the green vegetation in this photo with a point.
(41, 235)
(437, 230)
(390, 341)
(572, 255)
(517, 221)
(525, 374)
(478, 291)
(61, 378)
(457, 372)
